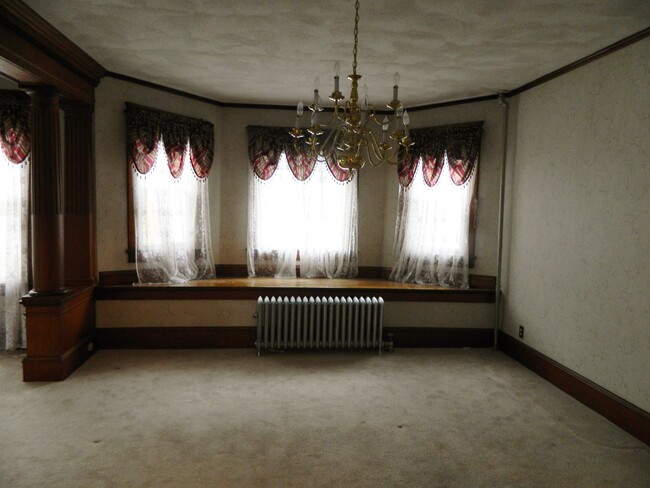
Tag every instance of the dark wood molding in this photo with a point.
(38, 31)
(33, 52)
(614, 408)
(117, 278)
(59, 333)
(231, 285)
(79, 189)
(482, 282)
(439, 337)
(129, 276)
(638, 36)
(244, 337)
(238, 292)
(175, 337)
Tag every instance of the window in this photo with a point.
(15, 147)
(435, 217)
(299, 207)
(169, 160)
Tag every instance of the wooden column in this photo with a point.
(79, 194)
(46, 192)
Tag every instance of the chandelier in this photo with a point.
(348, 134)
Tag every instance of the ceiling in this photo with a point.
(268, 52)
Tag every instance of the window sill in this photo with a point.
(117, 286)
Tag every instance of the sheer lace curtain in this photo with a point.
(315, 218)
(15, 146)
(172, 224)
(432, 231)
(170, 156)
(437, 182)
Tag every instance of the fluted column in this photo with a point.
(79, 194)
(46, 193)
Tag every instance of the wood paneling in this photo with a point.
(79, 194)
(614, 408)
(59, 334)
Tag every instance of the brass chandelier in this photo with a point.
(348, 134)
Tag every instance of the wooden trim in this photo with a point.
(439, 337)
(59, 334)
(235, 292)
(38, 31)
(581, 62)
(244, 337)
(57, 368)
(175, 337)
(614, 408)
(116, 278)
(130, 276)
(482, 282)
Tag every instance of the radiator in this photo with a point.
(319, 323)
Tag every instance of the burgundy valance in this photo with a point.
(460, 143)
(14, 125)
(266, 145)
(146, 127)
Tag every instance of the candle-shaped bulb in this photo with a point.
(316, 83)
(405, 118)
(384, 129)
(395, 85)
(300, 109)
(364, 90)
(400, 110)
(313, 117)
(337, 71)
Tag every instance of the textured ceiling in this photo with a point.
(270, 51)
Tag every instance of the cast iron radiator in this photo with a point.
(319, 323)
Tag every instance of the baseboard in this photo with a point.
(244, 337)
(439, 337)
(175, 337)
(614, 408)
(57, 368)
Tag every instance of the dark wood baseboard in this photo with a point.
(175, 337)
(244, 337)
(57, 368)
(439, 337)
(614, 408)
(60, 329)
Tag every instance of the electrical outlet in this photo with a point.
(521, 331)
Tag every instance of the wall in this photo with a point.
(378, 189)
(579, 273)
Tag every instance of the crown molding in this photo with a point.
(26, 23)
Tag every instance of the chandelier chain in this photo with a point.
(356, 37)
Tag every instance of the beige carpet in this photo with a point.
(226, 418)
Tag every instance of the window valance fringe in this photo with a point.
(145, 127)
(266, 144)
(460, 143)
(14, 125)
